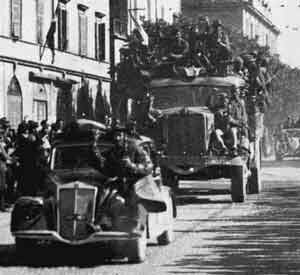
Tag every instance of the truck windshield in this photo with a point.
(186, 96)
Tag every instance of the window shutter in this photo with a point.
(96, 41)
(59, 35)
(85, 34)
(80, 23)
(83, 29)
(102, 41)
(16, 18)
(64, 30)
(40, 20)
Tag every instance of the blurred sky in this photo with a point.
(287, 18)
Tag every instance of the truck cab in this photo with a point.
(183, 132)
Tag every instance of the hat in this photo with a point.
(44, 122)
(32, 125)
(4, 122)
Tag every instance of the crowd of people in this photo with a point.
(23, 157)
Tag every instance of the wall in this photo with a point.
(21, 57)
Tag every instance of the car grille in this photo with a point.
(186, 135)
(76, 208)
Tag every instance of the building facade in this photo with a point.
(75, 82)
(121, 12)
(252, 18)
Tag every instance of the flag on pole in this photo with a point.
(139, 26)
(50, 37)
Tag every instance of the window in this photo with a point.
(16, 18)
(119, 11)
(39, 20)
(62, 27)
(162, 8)
(83, 29)
(14, 103)
(99, 38)
(40, 110)
(149, 9)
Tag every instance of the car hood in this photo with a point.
(185, 111)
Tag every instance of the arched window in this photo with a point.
(14, 103)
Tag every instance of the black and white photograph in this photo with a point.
(149, 137)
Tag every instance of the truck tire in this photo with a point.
(254, 181)
(169, 179)
(137, 249)
(238, 184)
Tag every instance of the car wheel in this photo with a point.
(137, 249)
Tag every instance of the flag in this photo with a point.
(139, 26)
(50, 37)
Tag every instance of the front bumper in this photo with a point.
(189, 165)
(53, 236)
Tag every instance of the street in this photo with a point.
(212, 235)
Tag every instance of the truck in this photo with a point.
(184, 123)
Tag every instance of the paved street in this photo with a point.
(213, 235)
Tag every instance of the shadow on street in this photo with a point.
(53, 256)
(265, 241)
(186, 196)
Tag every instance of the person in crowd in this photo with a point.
(4, 158)
(9, 146)
(23, 124)
(27, 152)
(56, 129)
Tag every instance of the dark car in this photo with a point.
(77, 194)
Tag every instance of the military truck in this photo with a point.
(184, 124)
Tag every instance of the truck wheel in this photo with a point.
(169, 178)
(254, 181)
(278, 157)
(137, 249)
(238, 184)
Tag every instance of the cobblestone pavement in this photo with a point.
(213, 235)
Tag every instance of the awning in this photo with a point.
(48, 78)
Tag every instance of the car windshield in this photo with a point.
(186, 96)
(74, 157)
